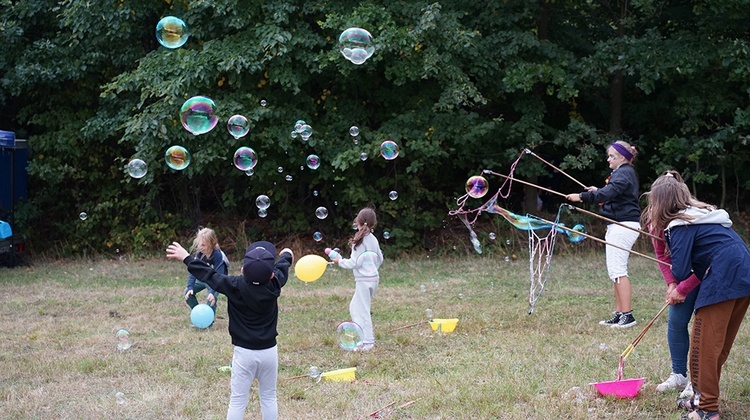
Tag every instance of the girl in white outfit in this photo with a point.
(365, 260)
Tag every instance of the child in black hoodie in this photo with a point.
(253, 314)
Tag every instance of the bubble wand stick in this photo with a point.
(529, 152)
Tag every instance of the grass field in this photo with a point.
(58, 357)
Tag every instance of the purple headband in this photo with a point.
(627, 154)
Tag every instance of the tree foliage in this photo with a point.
(460, 86)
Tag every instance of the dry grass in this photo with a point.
(58, 357)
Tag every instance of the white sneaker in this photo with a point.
(675, 380)
(688, 391)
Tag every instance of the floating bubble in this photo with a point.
(263, 103)
(321, 213)
(245, 159)
(354, 226)
(315, 193)
(198, 115)
(507, 258)
(389, 150)
(238, 126)
(262, 212)
(355, 140)
(393, 195)
(354, 131)
(171, 32)
(177, 158)
(298, 125)
(428, 312)
(386, 235)
(477, 245)
(349, 335)
(477, 186)
(356, 45)
(123, 339)
(423, 288)
(507, 242)
(318, 236)
(280, 169)
(262, 202)
(363, 156)
(368, 263)
(460, 295)
(305, 132)
(137, 168)
(288, 177)
(313, 161)
(492, 236)
(120, 398)
(250, 172)
(83, 215)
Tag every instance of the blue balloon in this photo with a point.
(202, 316)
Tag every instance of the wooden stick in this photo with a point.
(410, 325)
(635, 342)
(297, 377)
(381, 409)
(600, 240)
(529, 152)
(572, 206)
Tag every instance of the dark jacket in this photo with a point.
(710, 248)
(217, 261)
(253, 310)
(619, 197)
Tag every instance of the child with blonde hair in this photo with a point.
(206, 248)
(365, 259)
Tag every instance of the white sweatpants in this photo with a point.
(248, 365)
(359, 308)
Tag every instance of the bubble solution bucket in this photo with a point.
(627, 388)
(446, 325)
(340, 374)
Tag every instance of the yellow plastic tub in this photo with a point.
(340, 374)
(447, 325)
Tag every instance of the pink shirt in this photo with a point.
(683, 287)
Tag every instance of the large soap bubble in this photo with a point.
(171, 32)
(123, 339)
(355, 44)
(198, 115)
(477, 186)
(137, 168)
(321, 213)
(349, 335)
(238, 126)
(313, 161)
(177, 157)
(263, 202)
(245, 159)
(389, 150)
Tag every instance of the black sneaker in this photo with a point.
(626, 321)
(612, 321)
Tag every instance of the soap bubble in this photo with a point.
(263, 103)
(423, 288)
(507, 258)
(249, 172)
(356, 45)
(171, 32)
(123, 339)
(198, 115)
(245, 159)
(280, 169)
(305, 132)
(349, 335)
(137, 168)
(507, 242)
(313, 161)
(262, 202)
(393, 195)
(363, 156)
(354, 131)
(238, 126)
(294, 134)
(315, 193)
(477, 187)
(492, 236)
(386, 235)
(318, 236)
(460, 295)
(288, 177)
(177, 158)
(298, 125)
(367, 263)
(262, 212)
(83, 215)
(321, 213)
(120, 398)
(389, 150)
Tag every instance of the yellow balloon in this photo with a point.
(310, 267)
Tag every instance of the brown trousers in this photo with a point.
(714, 330)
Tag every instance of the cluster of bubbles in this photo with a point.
(262, 202)
(356, 45)
(349, 335)
(303, 130)
(172, 32)
(123, 339)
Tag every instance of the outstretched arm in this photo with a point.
(175, 251)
